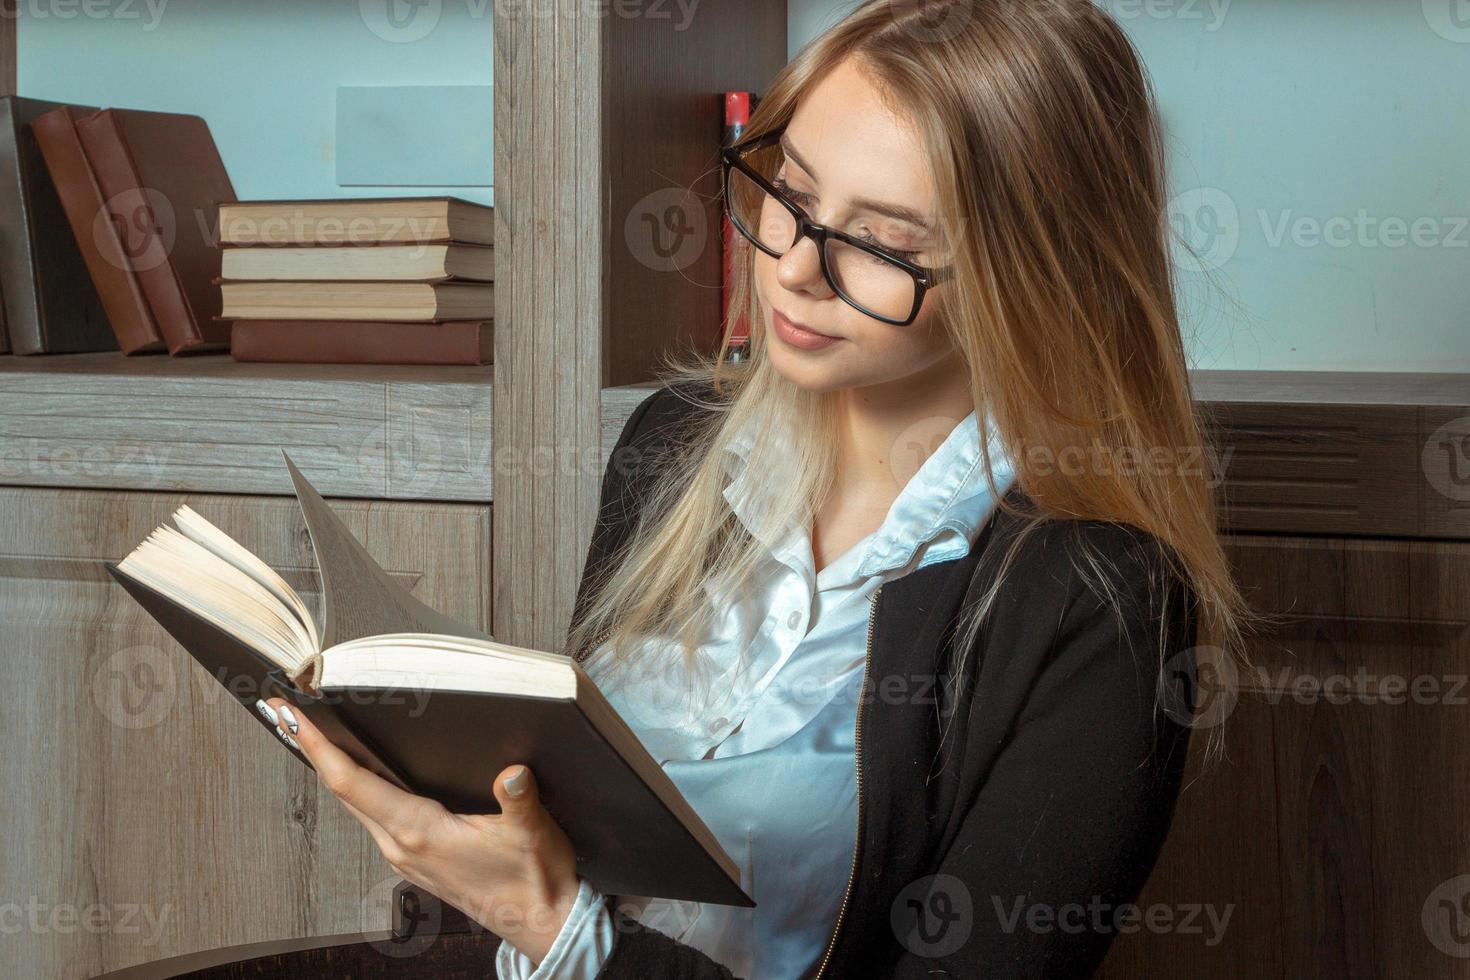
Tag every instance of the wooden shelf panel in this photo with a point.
(211, 425)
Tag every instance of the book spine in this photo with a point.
(102, 251)
(362, 342)
(737, 117)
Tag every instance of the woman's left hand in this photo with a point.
(513, 872)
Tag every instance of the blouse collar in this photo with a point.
(948, 492)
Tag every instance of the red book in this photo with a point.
(163, 182)
(363, 342)
(737, 117)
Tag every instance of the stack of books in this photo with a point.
(361, 281)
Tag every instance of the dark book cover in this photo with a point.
(50, 302)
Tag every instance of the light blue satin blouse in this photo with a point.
(769, 765)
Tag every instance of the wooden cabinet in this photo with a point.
(147, 816)
(1333, 838)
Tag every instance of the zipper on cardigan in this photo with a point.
(858, 768)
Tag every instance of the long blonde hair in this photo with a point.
(1046, 154)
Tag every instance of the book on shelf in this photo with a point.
(413, 301)
(162, 179)
(433, 705)
(363, 342)
(103, 252)
(357, 221)
(422, 263)
(50, 303)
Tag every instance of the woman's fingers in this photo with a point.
(393, 810)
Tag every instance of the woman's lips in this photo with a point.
(798, 336)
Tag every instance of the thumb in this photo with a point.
(516, 791)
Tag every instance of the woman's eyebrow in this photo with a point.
(896, 211)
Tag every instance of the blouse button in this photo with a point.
(718, 725)
(793, 619)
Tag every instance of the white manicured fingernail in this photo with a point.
(519, 782)
(290, 719)
(290, 741)
(267, 711)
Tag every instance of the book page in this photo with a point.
(358, 597)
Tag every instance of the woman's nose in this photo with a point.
(800, 270)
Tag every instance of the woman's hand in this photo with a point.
(514, 873)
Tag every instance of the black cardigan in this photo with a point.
(1016, 847)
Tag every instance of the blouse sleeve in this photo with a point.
(579, 950)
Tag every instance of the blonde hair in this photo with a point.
(1046, 155)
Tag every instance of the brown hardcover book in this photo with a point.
(418, 301)
(102, 249)
(357, 221)
(51, 305)
(363, 342)
(163, 181)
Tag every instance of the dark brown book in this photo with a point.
(93, 231)
(163, 181)
(357, 221)
(51, 304)
(428, 703)
(363, 342)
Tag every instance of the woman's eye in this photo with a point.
(897, 253)
(797, 197)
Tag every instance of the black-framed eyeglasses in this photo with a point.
(868, 277)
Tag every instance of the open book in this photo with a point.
(432, 705)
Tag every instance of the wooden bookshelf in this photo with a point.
(593, 113)
(208, 424)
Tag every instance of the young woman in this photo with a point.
(892, 601)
